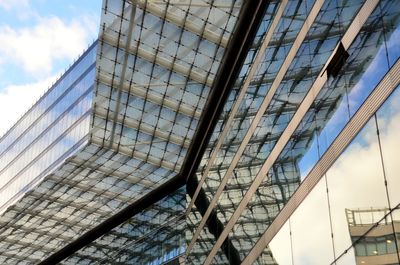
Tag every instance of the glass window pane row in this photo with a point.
(52, 133)
(45, 162)
(84, 211)
(75, 73)
(67, 103)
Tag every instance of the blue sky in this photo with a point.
(39, 40)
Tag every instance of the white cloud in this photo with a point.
(37, 48)
(14, 101)
(10, 4)
(20, 9)
(37, 51)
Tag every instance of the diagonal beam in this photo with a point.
(235, 108)
(387, 85)
(249, 21)
(264, 105)
(347, 39)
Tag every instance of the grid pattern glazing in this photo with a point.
(155, 63)
(153, 236)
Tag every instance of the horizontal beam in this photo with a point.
(129, 177)
(150, 130)
(159, 60)
(164, 163)
(145, 93)
(153, 8)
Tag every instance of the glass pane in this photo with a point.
(281, 245)
(389, 127)
(311, 231)
(356, 185)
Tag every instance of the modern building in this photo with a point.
(213, 132)
(373, 245)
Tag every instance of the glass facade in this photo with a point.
(140, 111)
(53, 129)
(301, 166)
(266, 157)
